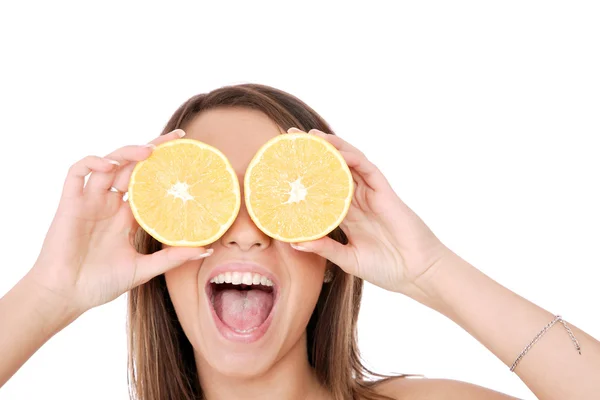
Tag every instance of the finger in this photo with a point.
(356, 160)
(128, 156)
(151, 265)
(75, 180)
(335, 140)
(131, 153)
(121, 180)
(101, 182)
(364, 171)
(341, 255)
(360, 161)
(125, 218)
(174, 134)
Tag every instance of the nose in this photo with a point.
(244, 234)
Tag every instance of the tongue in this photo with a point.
(243, 310)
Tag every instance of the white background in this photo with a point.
(483, 115)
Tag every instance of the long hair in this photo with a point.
(161, 359)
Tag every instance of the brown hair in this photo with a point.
(161, 358)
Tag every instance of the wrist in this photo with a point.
(433, 284)
(54, 306)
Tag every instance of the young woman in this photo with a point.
(181, 348)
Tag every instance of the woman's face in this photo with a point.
(244, 332)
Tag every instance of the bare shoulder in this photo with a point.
(446, 389)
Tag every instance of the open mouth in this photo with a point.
(242, 303)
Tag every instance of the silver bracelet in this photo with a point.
(539, 335)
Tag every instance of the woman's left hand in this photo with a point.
(388, 244)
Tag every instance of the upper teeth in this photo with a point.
(239, 278)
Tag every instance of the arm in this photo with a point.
(29, 317)
(87, 259)
(390, 246)
(505, 323)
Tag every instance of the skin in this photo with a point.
(279, 364)
(87, 260)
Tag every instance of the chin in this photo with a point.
(244, 365)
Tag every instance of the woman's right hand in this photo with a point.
(88, 257)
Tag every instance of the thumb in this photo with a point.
(151, 265)
(341, 255)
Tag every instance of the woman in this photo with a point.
(179, 346)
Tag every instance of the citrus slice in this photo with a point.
(185, 194)
(297, 187)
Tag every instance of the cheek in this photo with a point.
(182, 284)
(306, 277)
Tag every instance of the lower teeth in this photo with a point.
(245, 330)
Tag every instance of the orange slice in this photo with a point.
(185, 194)
(297, 187)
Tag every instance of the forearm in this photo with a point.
(505, 323)
(29, 316)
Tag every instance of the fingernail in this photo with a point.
(295, 130)
(298, 247)
(179, 132)
(203, 255)
(113, 162)
(150, 145)
(314, 131)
